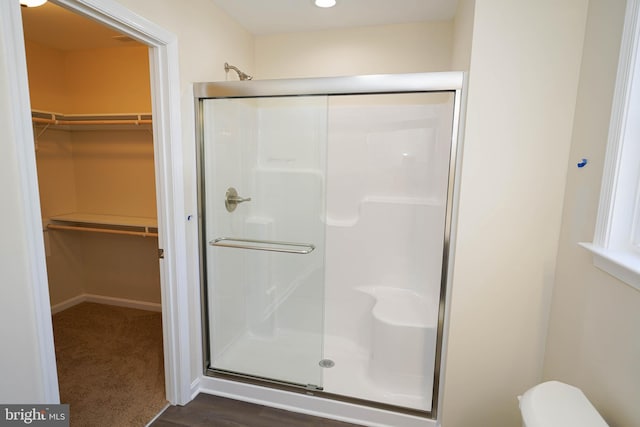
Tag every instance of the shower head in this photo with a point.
(241, 75)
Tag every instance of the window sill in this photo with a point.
(623, 265)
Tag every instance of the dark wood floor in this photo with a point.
(214, 411)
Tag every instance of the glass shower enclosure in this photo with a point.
(325, 216)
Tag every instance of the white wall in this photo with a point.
(23, 379)
(462, 35)
(524, 69)
(401, 48)
(593, 339)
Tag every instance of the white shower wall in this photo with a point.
(387, 176)
(388, 163)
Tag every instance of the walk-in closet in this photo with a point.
(91, 111)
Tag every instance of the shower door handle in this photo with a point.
(264, 245)
(232, 200)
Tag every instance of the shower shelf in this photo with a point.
(109, 224)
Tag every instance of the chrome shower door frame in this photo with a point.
(451, 82)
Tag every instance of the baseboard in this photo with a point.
(99, 299)
(122, 302)
(67, 304)
(195, 388)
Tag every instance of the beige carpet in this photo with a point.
(110, 364)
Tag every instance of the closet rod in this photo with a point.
(91, 122)
(101, 230)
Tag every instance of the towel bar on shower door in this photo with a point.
(264, 245)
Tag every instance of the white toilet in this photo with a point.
(555, 404)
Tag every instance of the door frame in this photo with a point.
(165, 90)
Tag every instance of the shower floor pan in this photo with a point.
(291, 355)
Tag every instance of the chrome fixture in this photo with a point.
(264, 245)
(232, 200)
(241, 75)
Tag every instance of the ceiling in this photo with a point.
(284, 16)
(56, 27)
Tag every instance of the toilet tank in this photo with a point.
(555, 404)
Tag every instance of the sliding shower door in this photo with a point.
(263, 163)
(327, 210)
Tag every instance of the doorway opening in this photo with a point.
(91, 105)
